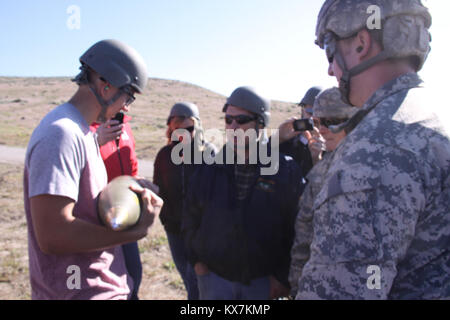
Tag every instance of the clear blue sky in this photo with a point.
(217, 44)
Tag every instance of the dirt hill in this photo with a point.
(24, 101)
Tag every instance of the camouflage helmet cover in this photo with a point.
(329, 104)
(405, 24)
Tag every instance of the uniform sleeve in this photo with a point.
(364, 221)
(303, 236)
(303, 223)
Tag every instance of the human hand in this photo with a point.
(316, 144)
(151, 205)
(108, 131)
(277, 289)
(147, 184)
(286, 130)
(201, 269)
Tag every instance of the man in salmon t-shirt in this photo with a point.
(71, 255)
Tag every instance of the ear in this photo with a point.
(105, 87)
(363, 44)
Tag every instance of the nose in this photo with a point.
(233, 125)
(330, 70)
(323, 130)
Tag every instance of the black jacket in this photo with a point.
(241, 241)
(299, 152)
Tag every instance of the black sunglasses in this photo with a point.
(240, 119)
(130, 95)
(331, 122)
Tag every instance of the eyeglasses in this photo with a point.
(129, 92)
(331, 122)
(330, 46)
(190, 129)
(240, 119)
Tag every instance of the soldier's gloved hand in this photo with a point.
(108, 131)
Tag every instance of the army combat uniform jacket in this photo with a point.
(379, 227)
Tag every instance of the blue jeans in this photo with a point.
(213, 287)
(178, 250)
(134, 266)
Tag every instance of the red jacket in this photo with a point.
(120, 160)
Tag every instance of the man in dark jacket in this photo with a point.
(238, 223)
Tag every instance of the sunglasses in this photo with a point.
(130, 95)
(240, 119)
(331, 122)
(330, 46)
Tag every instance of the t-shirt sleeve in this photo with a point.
(55, 164)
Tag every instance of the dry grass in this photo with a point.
(14, 282)
(23, 103)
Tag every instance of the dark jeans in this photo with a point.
(213, 287)
(134, 266)
(178, 250)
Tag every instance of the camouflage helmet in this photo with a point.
(184, 109)
(329, 104)
(249, 99)
(404, 24)
(117, 63)
(404, 31)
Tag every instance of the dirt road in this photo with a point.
(16, 155)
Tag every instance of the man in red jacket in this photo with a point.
(117, 148)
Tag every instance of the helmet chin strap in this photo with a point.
(344, 88)
(344, 82)
(104, 104)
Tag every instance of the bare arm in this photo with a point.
(59, 232)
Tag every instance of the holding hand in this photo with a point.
(152, 205)
(108, 131)
(286, 130)
(316, 144)
(277, 289)
(147, 184)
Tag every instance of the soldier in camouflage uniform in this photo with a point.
(385, 199)
(328, 105)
